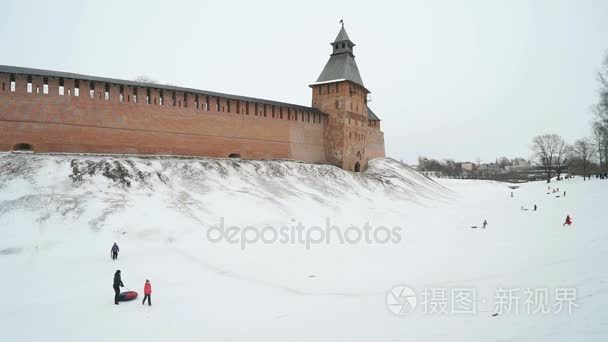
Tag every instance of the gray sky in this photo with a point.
(449, 79)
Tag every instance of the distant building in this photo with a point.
(491, 169)
(468, 166)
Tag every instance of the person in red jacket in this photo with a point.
(147, 293)
(568, 221)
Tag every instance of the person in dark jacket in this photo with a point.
(114, 251)
(117, 283)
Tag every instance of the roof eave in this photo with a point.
(340, 80)
(8, 69)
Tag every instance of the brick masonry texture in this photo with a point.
(116, 118)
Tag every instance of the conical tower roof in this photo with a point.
(342, 35)
(341, 65)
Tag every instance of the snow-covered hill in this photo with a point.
(59, 215)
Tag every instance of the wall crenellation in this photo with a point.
(51, 111)
(126, 94)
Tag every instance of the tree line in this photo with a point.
(556, 156)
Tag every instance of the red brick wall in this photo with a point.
(375, 143)
(55, 123)
(349, 138)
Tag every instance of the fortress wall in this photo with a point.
(375, 142)
(109, 118)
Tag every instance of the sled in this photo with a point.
(127, 296)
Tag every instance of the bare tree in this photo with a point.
(550, 151)
(600, 142)
(602, 77)
(583, 150)
(600, 124)
(563, 158)
(503, 161)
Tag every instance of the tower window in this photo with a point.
(13, 84)
(45, 85)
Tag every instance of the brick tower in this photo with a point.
(339, 92)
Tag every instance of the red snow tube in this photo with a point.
(127, 296)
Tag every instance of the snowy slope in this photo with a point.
(59, 215)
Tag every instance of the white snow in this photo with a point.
(59, 216)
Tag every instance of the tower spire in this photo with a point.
(341, 64)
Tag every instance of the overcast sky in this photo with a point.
(449, 79)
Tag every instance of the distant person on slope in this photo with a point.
(114, 251)
(485, 223)
(147, 293)
(568, 221)
(116, 284)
